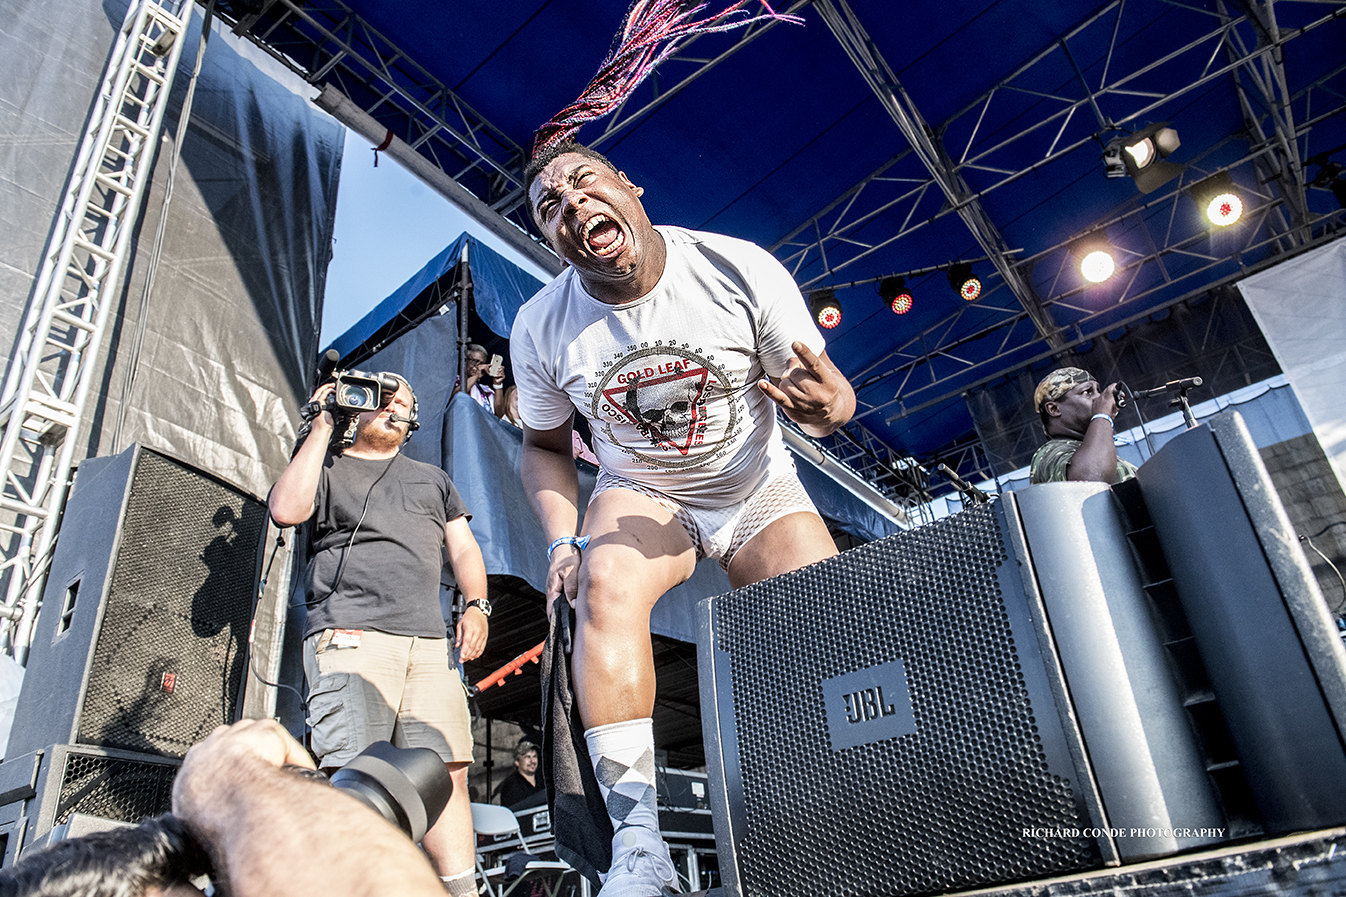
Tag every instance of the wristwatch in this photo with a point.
(483, 605)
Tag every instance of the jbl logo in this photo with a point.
(868, 705)
(862, 706)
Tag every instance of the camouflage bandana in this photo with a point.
(1058, 383)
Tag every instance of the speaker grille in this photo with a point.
(945, 808)
(169, 659)
(124, 790)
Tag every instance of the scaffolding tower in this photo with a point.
(50, 374)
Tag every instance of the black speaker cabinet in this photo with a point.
(141, 639)
(59, 784)
(1066, 678)
(1273, 655)
(894, 721)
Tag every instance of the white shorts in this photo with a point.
(719, 533)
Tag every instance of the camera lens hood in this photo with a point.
(409, 787)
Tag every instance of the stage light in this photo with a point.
(964, 282)
(893, 292)
(1217, 196)
(825, 308)
(1141, 156)
(1097, 266)
(1094, 255)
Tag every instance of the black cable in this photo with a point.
(346, 553)
(251, 655)
(1309, 541)
(1326, 528)
(303, 701)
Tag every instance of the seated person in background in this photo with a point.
(523, 787)
(265, 830)
(1078, 419)
(489, 396)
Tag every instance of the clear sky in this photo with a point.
(388, 225)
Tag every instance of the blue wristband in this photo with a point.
(1106, 417)
(578, 541)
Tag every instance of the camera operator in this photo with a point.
(375, 648)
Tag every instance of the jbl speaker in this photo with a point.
(141, 640)
(1069, 677)
(893, 721)
(1273, 655)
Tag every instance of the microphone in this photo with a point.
(411, 424)
(327, 363)
(1170, 386)
(1123, 395)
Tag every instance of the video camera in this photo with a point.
(357, 391)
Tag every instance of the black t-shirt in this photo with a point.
(515, 792)
(387, 576)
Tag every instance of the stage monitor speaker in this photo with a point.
(894, 721)
(61, 783)
(142, 636)
(1275, 660)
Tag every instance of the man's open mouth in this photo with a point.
(603, 236)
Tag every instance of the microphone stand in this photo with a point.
(963, 486)
(1181, 401)
(1179, 388)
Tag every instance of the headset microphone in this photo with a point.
(409, 421)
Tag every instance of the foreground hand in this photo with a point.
(473, 627)
(812, 393)
(216, 762)
(322, 397)
(563, 575)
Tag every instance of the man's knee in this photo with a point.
(614, 591)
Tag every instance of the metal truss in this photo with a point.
(830, 238)
(848, 30)
(913, 395)
(50, 374)
(829, 242)
(324, 41)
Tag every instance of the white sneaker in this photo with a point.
(641, 866)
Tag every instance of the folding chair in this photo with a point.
(492, 820)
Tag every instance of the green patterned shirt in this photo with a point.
(1050, 462)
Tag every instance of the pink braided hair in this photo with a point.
(636, 52)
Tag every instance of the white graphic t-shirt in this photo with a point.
(669, 382)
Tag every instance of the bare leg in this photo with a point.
(638, 552)
(794, 541)
(451, 844)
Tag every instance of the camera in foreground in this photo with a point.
(409, 787)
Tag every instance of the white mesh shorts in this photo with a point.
(719, 533)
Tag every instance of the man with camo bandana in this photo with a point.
(1078, 419)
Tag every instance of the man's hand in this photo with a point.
(473, 627)
(1106, 402)
(322, 397)
(563, 575)
(813, 393)
(214, 763)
